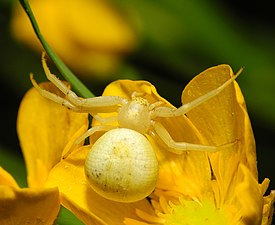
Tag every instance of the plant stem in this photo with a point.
(77, 85)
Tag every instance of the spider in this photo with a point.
(122, 165)
(135, 114)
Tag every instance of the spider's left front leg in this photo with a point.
(180, 147)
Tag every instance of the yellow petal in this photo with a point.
(222, 120)
(78, 197)
(28, 206)
(125, 88)
(44, 128)
(7, 179)
(248, 156)
(103, 19)
(100, 16)
(89, 35)
(269, 200)
(249, 195)
(216, 119)
(268, 209)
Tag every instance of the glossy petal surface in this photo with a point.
(44, 128)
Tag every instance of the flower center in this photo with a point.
(185, 212)
(194, 213)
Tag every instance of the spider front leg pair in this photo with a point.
(135, 114)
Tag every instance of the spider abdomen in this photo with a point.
(122, 166)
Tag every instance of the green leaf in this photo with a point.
(67, 218)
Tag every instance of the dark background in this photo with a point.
(164, 64)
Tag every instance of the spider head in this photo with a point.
(135, 115)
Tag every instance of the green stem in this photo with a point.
(77, 85)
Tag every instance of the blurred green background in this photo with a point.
(174, 41)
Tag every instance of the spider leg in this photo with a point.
(102, 103)
(97, 104)
(88, 133)
(180, 147)
(107, 120)
(170, 112)
(55, 98)
(51, 77)
(154, 105)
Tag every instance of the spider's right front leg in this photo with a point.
(96, 104)
(185, 108)
(53, 97)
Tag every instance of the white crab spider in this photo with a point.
(106, 162)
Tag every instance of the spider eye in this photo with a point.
(122, 166)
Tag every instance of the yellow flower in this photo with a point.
(44, 128)
(89, 35)
(26, 205)
(193, 188)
